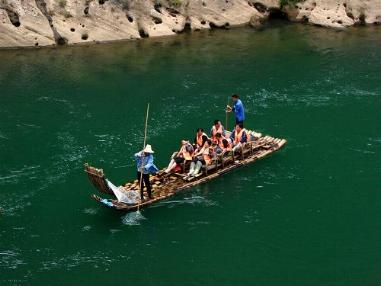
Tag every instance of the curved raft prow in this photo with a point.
(98, 179)
(166, 186)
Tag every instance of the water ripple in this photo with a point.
(99, 259)
(193, 200)
(133, 218)
(10, 259)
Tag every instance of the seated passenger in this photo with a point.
(222, 144)
(218, 143)
(238, 137)
(217, 128)
(202, 157)
(225, 145)
(185, 154)
(200, 139)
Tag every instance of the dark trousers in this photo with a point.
(145, 181)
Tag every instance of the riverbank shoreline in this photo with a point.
(48, 23)
(264, 28)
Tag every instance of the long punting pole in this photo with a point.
(144, 145)
(226, 117)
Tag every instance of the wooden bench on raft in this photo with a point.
(229, 157)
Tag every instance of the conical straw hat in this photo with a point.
(148, 149)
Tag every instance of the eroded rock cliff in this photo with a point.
(337, 13)
(25, 23)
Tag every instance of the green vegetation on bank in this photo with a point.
(291, 3)
(62, 3)
(175, 3)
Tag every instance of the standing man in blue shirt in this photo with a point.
(238, 109)
(145, 167)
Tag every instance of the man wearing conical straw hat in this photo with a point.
(145, 167)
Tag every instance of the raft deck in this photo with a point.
(166, 186)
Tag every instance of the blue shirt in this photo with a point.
(239, 110)
(148, 165)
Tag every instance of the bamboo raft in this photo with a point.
(164, 187)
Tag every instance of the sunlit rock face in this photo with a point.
(337, 14)
(31, 23)
(22, 24)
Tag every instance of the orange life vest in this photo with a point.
(221, 144)
(186, 155)
(248, 136)
(199, 139)
(238, 136)
(206, 156)
(215, 131)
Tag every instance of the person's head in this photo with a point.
(225, 143)
(148, 150)
(200, 131)
(208, 143)
(235, 97)
(218, 135)
(238, 127)
(217, 123)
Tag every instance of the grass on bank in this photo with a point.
(62, 3)
(175, 3)
(291, 3)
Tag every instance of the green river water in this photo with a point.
(307, 215)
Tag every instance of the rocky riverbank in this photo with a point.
(30, 23)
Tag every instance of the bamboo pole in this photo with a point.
(227, 116)
(142, 155)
